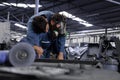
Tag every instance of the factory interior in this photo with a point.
(92, 40)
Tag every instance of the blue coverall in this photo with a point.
(44, 39)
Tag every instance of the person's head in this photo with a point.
(40, 24)
(58, 23)
(57, 19)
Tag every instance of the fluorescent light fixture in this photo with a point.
(2, 5)
(21, 5)
(33, 5)
(113, 1)
(6, 3)
(81, 21)
(13, 4)
(21, 26)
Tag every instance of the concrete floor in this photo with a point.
(57, 71)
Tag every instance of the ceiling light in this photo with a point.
(21, 26)
(6, 3)
(113, 1)
(21, 5)
(81, 21)
(2, 5)
(13, 4)
(33, 5)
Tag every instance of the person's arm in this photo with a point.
(37, 45)
(34, 40)
(39, 50)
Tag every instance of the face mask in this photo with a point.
(59, 30)
(62, 29)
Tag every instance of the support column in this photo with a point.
(36, 7)
(8, 16)
(23, 18)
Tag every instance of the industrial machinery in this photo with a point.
(92, 56)
(23, 54)
(106, 52)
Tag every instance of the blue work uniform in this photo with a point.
(33, 37)
(38, 39)
(48, 15)
(58, 44)
(44, 39)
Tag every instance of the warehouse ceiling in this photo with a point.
(100, 13)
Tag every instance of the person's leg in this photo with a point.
(56, 51)
(54, 48)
